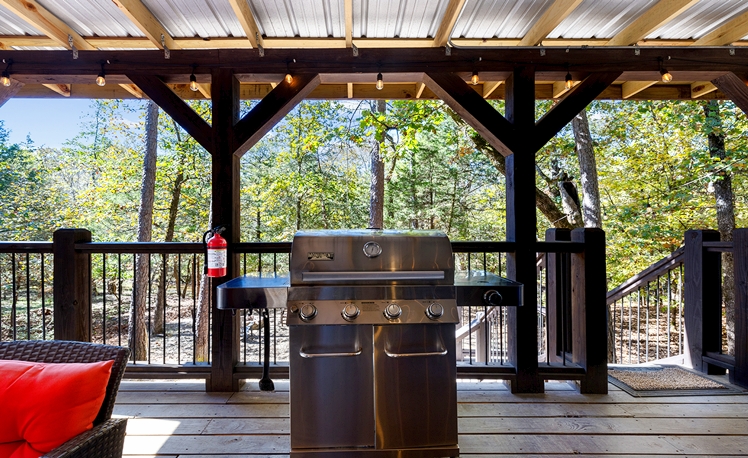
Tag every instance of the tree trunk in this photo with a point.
(176, 191)
(202, 315)
(137, 332)
(724, 199)
(591, 212)
(376, 190)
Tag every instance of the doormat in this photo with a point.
(667, 381)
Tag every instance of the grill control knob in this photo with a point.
(492, 297)
(308, 312)
(434, 311)
(392, 311)
(350, 312)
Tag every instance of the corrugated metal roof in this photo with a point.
(300, 18)
(88, 18)
(397, 19)
(10, 24)
(700, 19)
(196, 18)
(498, 18)
(600, 19)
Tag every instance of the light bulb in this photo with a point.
(475, 79)
(5, 79)
(193, 83)
(666, 76)
(100, 80)
(380, 82)
(569, 82)
(289, 78)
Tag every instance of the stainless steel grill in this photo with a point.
(371, 316)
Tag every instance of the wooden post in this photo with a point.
(703, 300)
(71, 286)
(589, 310)
(558, 307)
(225, 188)
(739, 375)
(521, 227)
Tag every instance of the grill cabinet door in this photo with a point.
(332, 390)
(415, 385)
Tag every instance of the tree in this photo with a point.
(376, 189)
(138, 332)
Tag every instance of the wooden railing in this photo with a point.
(92, 285)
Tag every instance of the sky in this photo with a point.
(49, 121)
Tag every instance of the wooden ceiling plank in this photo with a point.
(577, 100)
(350, 90)
(248, 22)
(62, 89)
(551, 18)
(649, 21)
(271, 109)
(419, 90)
(701, 88)
(8, 92)
(732, 31)
(451, 14)
(348, 6)
(141, 16)
(735, 88)
(476, 111)
(175, 107)
(631, 88)
(46, 22)
(133, 89)
(489, 87)
(204, 89)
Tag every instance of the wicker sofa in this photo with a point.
(107, 437)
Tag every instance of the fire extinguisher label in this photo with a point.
(216, 258)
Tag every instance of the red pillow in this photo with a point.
(48, 404)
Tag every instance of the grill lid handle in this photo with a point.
(430, 275)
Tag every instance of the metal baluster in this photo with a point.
(44, 304)
(669, 305)
(119, 299)
(163, 298)
(103, 289)
(680, 312)
(149, 324)
(646, 327)
(639, 327)
(631, 319)
(194, 307)
(134, 322)
(28, 299)
(179, 308)
(657, 317)
(1, 296)
(14, 298)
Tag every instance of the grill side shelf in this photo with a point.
(474, 287)
(253, 292)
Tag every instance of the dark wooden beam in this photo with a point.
(72, 285)
(735, 88)
(271, 109)
(225, 211)
(478, 113)
(574, 102)
(182, 113)
(375, 60)
(7, 92)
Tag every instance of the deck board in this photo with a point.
(179, 420)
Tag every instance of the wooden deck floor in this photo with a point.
(178, 419)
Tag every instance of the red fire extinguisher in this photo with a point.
(215, 252)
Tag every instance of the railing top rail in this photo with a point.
(718, 247)
(25, 247)
(669, 262)
(483, 247)
(560, 247)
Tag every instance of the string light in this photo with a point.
(289, 78)
(6, 74)
(194, 87)
(380, 82)
(101, 79)
(475, 79)
(569, 82)
(664, 74)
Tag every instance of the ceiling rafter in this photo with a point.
(728, 33)
(452, 13)
(133, 89)
(551, 18)
(701, 88)
(652, 19)
(142, 17)
(348, 23)
(46, 22)
(248, 22)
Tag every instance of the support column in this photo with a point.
(703, 300)
(739, 375)
(521, 228)
(71, 286)
(589, 310)
(225, 208)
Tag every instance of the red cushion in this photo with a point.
(48, 404)
(18, 449)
